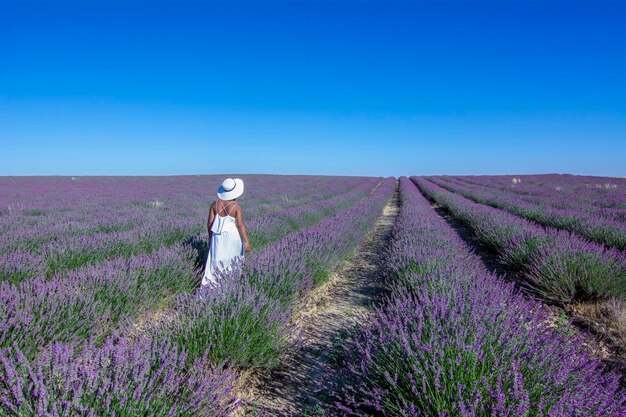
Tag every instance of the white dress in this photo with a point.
(225, 247)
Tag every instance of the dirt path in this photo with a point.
(323, 321)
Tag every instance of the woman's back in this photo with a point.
(224, 217)
(228, 238)
(225, 208)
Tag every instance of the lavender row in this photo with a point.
(28, 198)
(176, 219)
(102, 297)
(556, 264)
(91, 302)
(595, 228)
(117, 210)
(69, 253)
(580, 187)
(605, 197)
(115, 378)
(103, 206)
(608, 203)
(244, 320)
(306, 215)
(172, 371)
(453, 340)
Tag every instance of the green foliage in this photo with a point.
(244, 337)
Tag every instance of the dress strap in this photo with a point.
(224, 208)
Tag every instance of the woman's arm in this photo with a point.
(242, 228)
(210, 221)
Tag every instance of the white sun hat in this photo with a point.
(230, 189)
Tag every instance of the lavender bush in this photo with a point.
(95, 299)
(90, 303)
(87, 221)
(556, 264)
(453, 340)
(115, 379)
(603, 196)
(582, 218)
(244, 321)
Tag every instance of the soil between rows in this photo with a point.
(323, 322)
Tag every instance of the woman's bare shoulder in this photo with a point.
(237, 208)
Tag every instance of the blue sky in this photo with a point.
(328, 87)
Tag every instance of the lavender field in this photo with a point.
(103, 315)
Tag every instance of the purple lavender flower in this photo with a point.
(453, 339)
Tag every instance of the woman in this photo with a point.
(228, 237)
